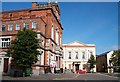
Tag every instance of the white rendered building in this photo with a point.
(109, 55)
(76, 55)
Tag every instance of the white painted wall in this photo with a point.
(42, 58)
(1, 64)
(109, 56)
(79, 49)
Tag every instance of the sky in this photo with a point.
(87, 22)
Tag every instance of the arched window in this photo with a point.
(69, 55)
(52, 32)
(83, 55)
(57, 36)
(76, 55)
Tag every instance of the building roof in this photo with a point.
(39, 7)
(77, 43)
(103, 54)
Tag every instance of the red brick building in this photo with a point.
(45, 20)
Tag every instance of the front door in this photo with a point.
(76, 66)
(5, 65)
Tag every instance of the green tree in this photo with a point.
(115, 58)
(24, 49)
(91, 62)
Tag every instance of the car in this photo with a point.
(81, 71)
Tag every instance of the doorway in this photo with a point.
(76, 66)
(6, 65)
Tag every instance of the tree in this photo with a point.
(115, 58)
(92, 62)
(24, 49)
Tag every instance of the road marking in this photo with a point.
(76, 75)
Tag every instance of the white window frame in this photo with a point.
(26, 24)
(17, 26)
(52, 32)
(34, 25)
(10, 27)
(43, 40)
(57, 36)
(69, 54)
(76, 57)
(5, 43)
(83, 55)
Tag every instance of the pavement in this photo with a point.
(50, 76)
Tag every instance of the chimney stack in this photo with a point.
(34, 4)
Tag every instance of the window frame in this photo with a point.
(5, 43)
(76, 57)
(26, 25)
(17, 26)
(69, 55)
(34, 25)
(2, 27)
(10, 25)
(52, 31)
(83, 55)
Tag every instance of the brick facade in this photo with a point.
(45, 17)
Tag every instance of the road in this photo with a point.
(95, 76)
(67, 76)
